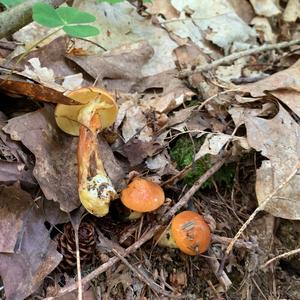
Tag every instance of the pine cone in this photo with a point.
(67, 247)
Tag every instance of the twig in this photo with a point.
(237, 55)
(143, 277)
(78, 264)
(239, 243)
(214, 96)
(283, 255)
(215, 266)
(258, 209)
(185, 199)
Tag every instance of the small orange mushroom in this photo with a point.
(97, 112)
(143, 195)
(189, 232)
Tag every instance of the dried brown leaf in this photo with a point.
(35, 255)
(266, 135)
(118, 69)
(286, 79)
(55, 153)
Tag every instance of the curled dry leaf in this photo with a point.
(214, 143)
(40, 74)
(55, 154)
(32, 254)
(285, 85)
(266, 135)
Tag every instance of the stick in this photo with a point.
(214, 264)
(78, 263)
(283, 255)
(239, 243)
(237, 55)
(16, 17)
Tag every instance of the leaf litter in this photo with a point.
(168, 128)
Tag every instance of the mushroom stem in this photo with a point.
(95, 188)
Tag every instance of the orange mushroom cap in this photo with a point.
(190, 232)
(143, 195)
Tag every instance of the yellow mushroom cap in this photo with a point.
(143, 195)
(191, 233)
(67, 116)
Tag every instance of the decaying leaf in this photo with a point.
(168, 92)
(266, 8)
(31, 253)
(285, 85)
(122, 25)
(214, 143)
(118, 69)
(216, 20)
(266, 135)
(292, 11)
(55, 154)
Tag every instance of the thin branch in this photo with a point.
(283, 255)
(230, 58)
(78, 264)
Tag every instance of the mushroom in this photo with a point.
(97, 112)
(142, 196)
(189, 232)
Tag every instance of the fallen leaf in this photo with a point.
(137, 150)
(292, 11)
(55, 154)
(266, 136)
(216, 20)
(35, 254)
(264, 29)
(266, 8)
(243, 9)
(214, 143)
(163, 92)
(165, 8)
(113, 168)
(285, 85)
(118, 69)
(121, 25)
(43, 75)
(11, 171)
